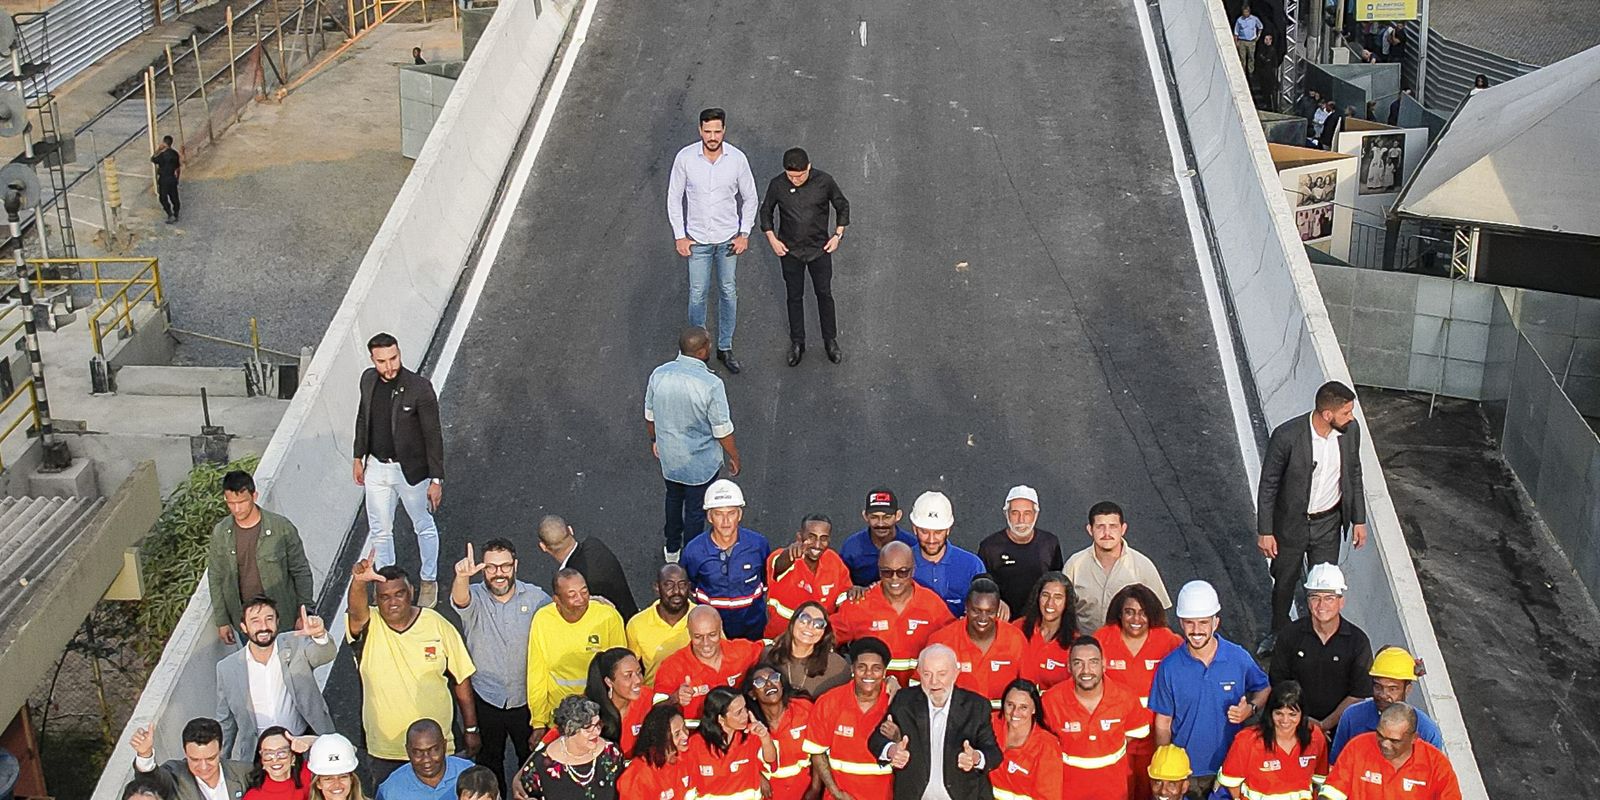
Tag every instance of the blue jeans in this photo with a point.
(686, 515)
(702, 257)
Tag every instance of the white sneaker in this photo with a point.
(671, 556)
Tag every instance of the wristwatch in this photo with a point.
(471, 729)
(437, 481)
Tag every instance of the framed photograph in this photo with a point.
(1316, 187)
(1315, 223)
(1382, 163)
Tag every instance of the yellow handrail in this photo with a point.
(31, 413)
(148, 276)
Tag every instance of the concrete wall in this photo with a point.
(151, 343)
(403, 286)
(1287, 337)
(424, 88)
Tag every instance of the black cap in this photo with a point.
(882, 499)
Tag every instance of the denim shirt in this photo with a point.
(689, 406)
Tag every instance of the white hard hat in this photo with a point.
(331, 754)
(724, 494)
(1022, 492)
(1326, 578)
(1198, 600)
(932, 511)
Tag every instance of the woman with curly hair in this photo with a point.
(1133, 641)
(578, 765)
(658, 770)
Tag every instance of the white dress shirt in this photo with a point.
(938, 721)
(1324, 471)
(711, 201)
(269, 694)
(218, 792)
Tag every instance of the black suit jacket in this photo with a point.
(418, 441)
(1286, 479)
(604, 574)
(970, 721)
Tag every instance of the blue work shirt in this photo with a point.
(689, 406)
(1363, 718)
(950, 576)
(497, 640)
(861, 555)
(732, 581)
(403, 784)
(1197, 698)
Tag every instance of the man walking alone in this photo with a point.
(711, 203)
(691, 434)
(803, 242)
(168, 165)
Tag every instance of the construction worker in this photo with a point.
(900, 612)
(1030, 765)
(988, 652)
(710, 660)
(860, 550)
(1284, 755)
(1324, 652)
(726, 564)
(805, 570)
(1169, 773)
(1390, 764)
(842, 721)
(562, 640)
(941, 566)
(1393, 671)
(1093, 719)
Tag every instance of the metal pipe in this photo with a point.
(177, 102)
(233, 75)
(55, 457)
(150, 120)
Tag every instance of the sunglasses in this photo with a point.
(767, 679)
(818, 623)
(902, 572)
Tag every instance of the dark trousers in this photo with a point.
(1316, 543)
(495, 726)
(685, 512)
(167, 190)
(794, 283)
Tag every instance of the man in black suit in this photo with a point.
(590, 557)
(399, 457)
(1310, 493)
(938, 738)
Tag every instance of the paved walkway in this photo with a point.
(1536, 31)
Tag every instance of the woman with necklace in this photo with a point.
(1049, 626)
(1283, 756)
(578, 765)
(805, 652)
(616, 685)
(787, 717)
(658, 770)
(1133, 641)
(1031, 765)
(728, 750)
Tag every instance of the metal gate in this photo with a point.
(81, 32)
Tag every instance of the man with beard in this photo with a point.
(860, 549)
(495, 616)
(1019, 553)
(1205, 691)
(269, 682)
(941, 566)
(1310, 492)
(804, 571)
(663, 628)
(1094, 719)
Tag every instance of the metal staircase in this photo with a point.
(30, 67)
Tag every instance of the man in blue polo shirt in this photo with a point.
(431, 773)
(727, 564)
(946, 569)
(860, 550)
(1206, 690)
(1393, 671)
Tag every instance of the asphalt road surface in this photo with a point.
(1018, 296)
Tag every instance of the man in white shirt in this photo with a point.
(711, 203)
(201, 774)
(270, 682)
(1311, 491)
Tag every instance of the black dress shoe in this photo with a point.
(726, 357)
(797, 351)
(832, 348)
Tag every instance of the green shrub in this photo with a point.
(173, 556)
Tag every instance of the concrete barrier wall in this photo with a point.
(403, 286)
(1286, 335)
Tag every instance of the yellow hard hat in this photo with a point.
(1395, 663)
(1170, 763)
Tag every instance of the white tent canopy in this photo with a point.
(1519, 155)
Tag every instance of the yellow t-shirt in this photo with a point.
(559, 653)
(403, 679)
(652, 639)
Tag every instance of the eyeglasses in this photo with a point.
(902, 572)
(593, 726)
(819, 623)
(506, 568)
(277, 755)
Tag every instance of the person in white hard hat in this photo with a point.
(727, 564)
(1205, 691)
(946, 569)
(1018, 554)
(332, 761)
(1327, 654)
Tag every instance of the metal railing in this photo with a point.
(30, 412)
(125, 292)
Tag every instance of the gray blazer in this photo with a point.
(300, 655)
(181, 783)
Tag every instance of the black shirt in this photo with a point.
(166, 163)
(1328, 673)
(380, 427)
(1017, 566)
(803, 212)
